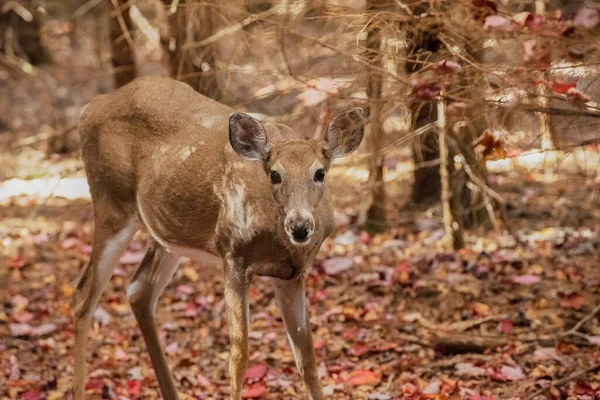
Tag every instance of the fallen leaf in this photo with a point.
(255, 391)
(468, 369)
(577, 95)
(594, 340)
(512, 373)
(17, 330)
(337, 265)
(256, 372)
(34, 394)
(102, 316)
(171, 347)
(134, 388)
(448, 67)
(527, 279)
(363, 377)
(22, 316)
(496, 22)
(574, 301)
(44, 329)
(191, 274)
(132, 257)
(119, 354)
(587, 17)
(505, 326)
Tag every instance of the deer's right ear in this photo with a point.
(248, 137)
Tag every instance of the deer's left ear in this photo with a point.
(344, 134)
(248, 137)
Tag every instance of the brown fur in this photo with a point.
(158, 154)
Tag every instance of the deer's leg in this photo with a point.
(291, 299)
(236, 300)
(149, 281)
(112, 233)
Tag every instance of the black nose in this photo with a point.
(300, 233)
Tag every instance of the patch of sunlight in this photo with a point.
(68, 188)
(579, 160)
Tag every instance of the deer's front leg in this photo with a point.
(291, 298)
(236, 299)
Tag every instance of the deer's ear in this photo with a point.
(344, 134)
(248, 137)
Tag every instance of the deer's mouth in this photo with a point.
(300, 242)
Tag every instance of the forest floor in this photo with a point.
(394, 315)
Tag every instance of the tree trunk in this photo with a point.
(468, 206)
(196, 65)
(20, 33)
(121, 39)
(451, 202)
(425, 149)
(376, 214)
(426, 185)
(549, 139)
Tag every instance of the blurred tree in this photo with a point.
(376, 214)
(188, 57)
(121, 39)
(20, 34)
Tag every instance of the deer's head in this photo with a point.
(297, 169)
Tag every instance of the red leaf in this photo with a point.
(17, 262)
(34, 394)
(562, 88)
(255, 391)
(358, 349)
(505, 326)
(190, 310)
(582, 387)
(574, 301)
(256, 372)
(22, 317)
(134, 388)
(363, 377)
(577, 95)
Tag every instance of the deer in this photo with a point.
(213, 185)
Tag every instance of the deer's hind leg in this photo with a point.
(112, 232)
(149, 281)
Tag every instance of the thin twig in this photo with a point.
(231, 29)
(85, 8)
(564, 380)
(122, 23)
(582, 321)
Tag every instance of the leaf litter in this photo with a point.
(394, 316)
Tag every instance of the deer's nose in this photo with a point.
(301, 233)
(299, 225)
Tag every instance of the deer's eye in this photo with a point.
(275, 177)
(320, 175)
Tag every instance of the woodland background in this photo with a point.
(464, 264)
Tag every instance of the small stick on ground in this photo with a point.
(564, 380)
(578, 325)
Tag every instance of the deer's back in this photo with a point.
(158, 149)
